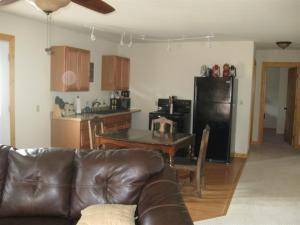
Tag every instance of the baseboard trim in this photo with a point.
(239, 155)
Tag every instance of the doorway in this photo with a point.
(7, 97)
(279, 102)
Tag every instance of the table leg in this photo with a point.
(171, 156)
(190, 151)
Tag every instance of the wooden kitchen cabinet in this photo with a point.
(114, 123)
(70, 68)
(75, 133)
(115, 73)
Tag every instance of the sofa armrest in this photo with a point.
(161, 202)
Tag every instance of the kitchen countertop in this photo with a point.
(89, 116)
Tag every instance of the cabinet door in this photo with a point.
(70, 76)
(125, 70)
(109, 71)
(118, 74)
(83, 70)
(65, 133)
(84, 135)
(114, 123)
(58, 66)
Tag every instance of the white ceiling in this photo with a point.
(264, 21)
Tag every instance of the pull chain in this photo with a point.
(48, 33)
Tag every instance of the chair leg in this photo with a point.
(191, 177)
(177, 176)
(198, 185)
(203, 183)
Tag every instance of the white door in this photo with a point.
(4, 94)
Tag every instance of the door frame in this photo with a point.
(253, 89)
(264, 70)
(11, 41)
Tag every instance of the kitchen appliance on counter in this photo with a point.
(122, 103)
(214, 104)
(181, 113)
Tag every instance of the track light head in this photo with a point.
(93, 36)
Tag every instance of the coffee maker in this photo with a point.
(120, 101)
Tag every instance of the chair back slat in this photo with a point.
(94, 129)
(203, 149)
(160, 123)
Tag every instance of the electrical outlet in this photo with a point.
(37, 108)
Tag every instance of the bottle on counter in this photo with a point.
(78, 105)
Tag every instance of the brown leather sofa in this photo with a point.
(52, 186)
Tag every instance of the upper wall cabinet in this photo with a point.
(70, 68)
(115, 73)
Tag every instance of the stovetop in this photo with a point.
(162, 112)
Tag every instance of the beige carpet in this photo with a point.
(268, 192)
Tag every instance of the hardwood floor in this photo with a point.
(221, 180)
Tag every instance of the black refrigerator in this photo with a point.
(215, 104)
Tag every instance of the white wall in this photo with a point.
(271, 101)
(32, 74)
(268, 56)
(156, 72)
(4, 93)
(282, 95)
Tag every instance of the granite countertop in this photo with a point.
(89, 116)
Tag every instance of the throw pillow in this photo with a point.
(108, 214)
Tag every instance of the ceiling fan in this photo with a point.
(49, 6)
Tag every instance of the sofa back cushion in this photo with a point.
(38, 183)
(111, 176)
(3, 166)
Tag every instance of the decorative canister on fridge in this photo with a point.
(204, 71)
(226, 70)
(216, 71)
(232, 71)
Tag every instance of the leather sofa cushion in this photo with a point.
(111, 176)
(38, 183)
(35, 221)
(3, 166)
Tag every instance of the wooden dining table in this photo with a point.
(146, 139)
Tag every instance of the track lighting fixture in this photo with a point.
(122, 39)
(130, 42)
(208, 41)
(93, 36)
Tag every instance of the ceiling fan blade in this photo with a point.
(6, 2)
(96, 5)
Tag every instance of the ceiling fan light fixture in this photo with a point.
(283, 44)
(49, 6)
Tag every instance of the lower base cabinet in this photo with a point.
(75, 133)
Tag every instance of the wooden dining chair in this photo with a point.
(163, 125)
(95, 127)
(195, 166)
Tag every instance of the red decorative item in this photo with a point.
(226, 70)
(215, 71)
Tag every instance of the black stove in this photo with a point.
(181, 114)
